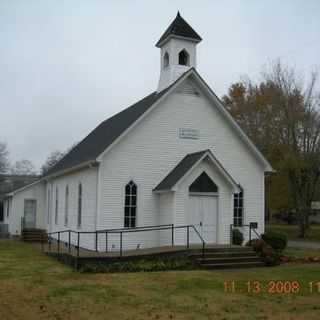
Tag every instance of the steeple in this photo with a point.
(177, 51)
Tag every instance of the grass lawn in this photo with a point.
(293, 231)
(34, 286)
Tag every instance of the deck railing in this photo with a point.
(56, 237)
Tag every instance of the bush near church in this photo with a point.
(277, 240)
(237, 237)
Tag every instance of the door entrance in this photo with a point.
(30, 206)
(203, 210)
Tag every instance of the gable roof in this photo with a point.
(92, 147)
(179, 27)
(185, 166)
(105, 134)
(9, 182)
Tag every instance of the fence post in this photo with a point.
(69, 241)
(188, 241)
(172, 235)
(96, 241)
(78, 251)
(120, 244)
(250, 233)
(49, 241)
(231, 237)
(106, 241)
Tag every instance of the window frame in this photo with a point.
(238, 209)
(8, 207)
(187, 57)
(56, 212)
(130, 207)
(198, 182)
(48, 205)
(166, 60)
(79, 209)
(66, 206)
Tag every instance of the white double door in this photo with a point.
(203, 213)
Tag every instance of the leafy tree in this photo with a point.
(23, 167)
(4, 162)
(281, 115)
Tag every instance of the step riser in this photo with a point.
(232, 266)
(224, 255)
(34, 236)
(244, 259)
(224, 250)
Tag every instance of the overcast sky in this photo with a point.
(65, 66)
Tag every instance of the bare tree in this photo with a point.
(4, 162)
(23, 167)
(299, 138)
(53, 158)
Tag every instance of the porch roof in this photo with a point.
(186, 164)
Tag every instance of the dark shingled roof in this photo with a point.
(179, 171)
(105, 134)
(179, 27)
(9, 183)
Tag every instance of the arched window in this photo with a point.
(79, 205)
(130, 205)
(184, 58)
(66, 206)
(238, 209)
(166, 60)
(203, 184)
(57, 206)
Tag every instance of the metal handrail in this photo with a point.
(142, 227)
(171, 227)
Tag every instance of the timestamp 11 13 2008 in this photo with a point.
(271, 287)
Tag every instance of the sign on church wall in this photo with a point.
(187, 133)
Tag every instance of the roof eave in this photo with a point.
(218, 165)
(255, 150)
(161, 42)
(84, 165)
(12, 193)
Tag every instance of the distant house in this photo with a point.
(174, 157)
(8, 183)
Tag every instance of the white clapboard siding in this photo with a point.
(88, 180)
(34, 191)
(153, 148)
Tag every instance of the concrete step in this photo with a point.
(223, 249)
(223, 254)
(233, 265)
(207, 260)
(34, 235)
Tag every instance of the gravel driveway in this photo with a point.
(304, 244)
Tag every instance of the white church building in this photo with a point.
(174, 157)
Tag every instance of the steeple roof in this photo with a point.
(179, 27)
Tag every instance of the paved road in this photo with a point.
(304, 244)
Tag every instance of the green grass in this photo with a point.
(34, 286)
(293, 231)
